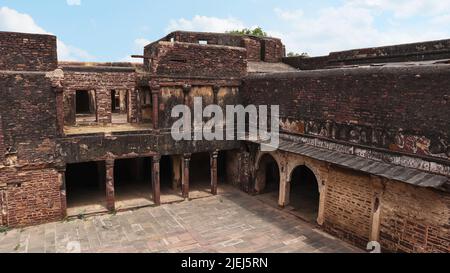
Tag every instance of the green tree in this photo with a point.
(293, 54)
(247, 31)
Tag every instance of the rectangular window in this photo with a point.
(83, 102)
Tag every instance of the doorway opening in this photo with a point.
(200, 175)
(119, 106)
(132, 183)
(86, 188)
(304, 193)
(268, 180)
(85, 109)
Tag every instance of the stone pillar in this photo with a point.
(110, 196)
(213, 164)
(59, 91)
(3, 206)
(62, 190)
(185, 182)
(285, 190)
(323, 185)
(378, 190)
(156, 183)
(216, 89)
(104, 107)
(123, 94)
(156, 89)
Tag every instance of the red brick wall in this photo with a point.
(415, 219)
(395, 109)
(28, 111)
(103, 81)
(27, 52)
(273, 50)
(2, 144)
(195, 60)
(32, 197)
(424, 51)
(348, 206)
(253, 47)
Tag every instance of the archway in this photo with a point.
(268, 176)
(304, 193)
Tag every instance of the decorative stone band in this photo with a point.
(381, 169)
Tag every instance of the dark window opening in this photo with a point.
(115, 102)
(83, 103)
(146, 105)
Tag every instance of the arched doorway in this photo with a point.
(268, 177)
(304, 193)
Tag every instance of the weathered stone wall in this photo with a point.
(414, 219)
(30, 197)
(274, 49)
(29, 119)
(411, 219)
(2, 143)
(27, 52)
(397, 109)
(102, 80)
(195, 60)
(348, 206)
(415, 52)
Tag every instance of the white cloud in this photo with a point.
(205, 23)
(140, 43)
(73, 2)
(12, 20)
(354, 25)
(138, 46)
(405, 8)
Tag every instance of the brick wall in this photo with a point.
(273, 50)
(194, 60)
(415, 219)
(395, 109)
(2, 143)
(28, 111)
(253, 47)
(27, 52)
(31, 197)
(348, 206)
(103, 80)
(253, 44)
(415, 52)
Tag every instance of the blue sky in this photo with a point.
(111, 30)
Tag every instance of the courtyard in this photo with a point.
(232, 222)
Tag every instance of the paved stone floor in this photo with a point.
(231, 222)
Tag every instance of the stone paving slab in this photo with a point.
(232, 222)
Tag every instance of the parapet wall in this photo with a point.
(195, 60)
(27, 52)
(258, 49)
(397, 109)
(415, 52)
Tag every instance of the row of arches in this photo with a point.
(302, 193)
